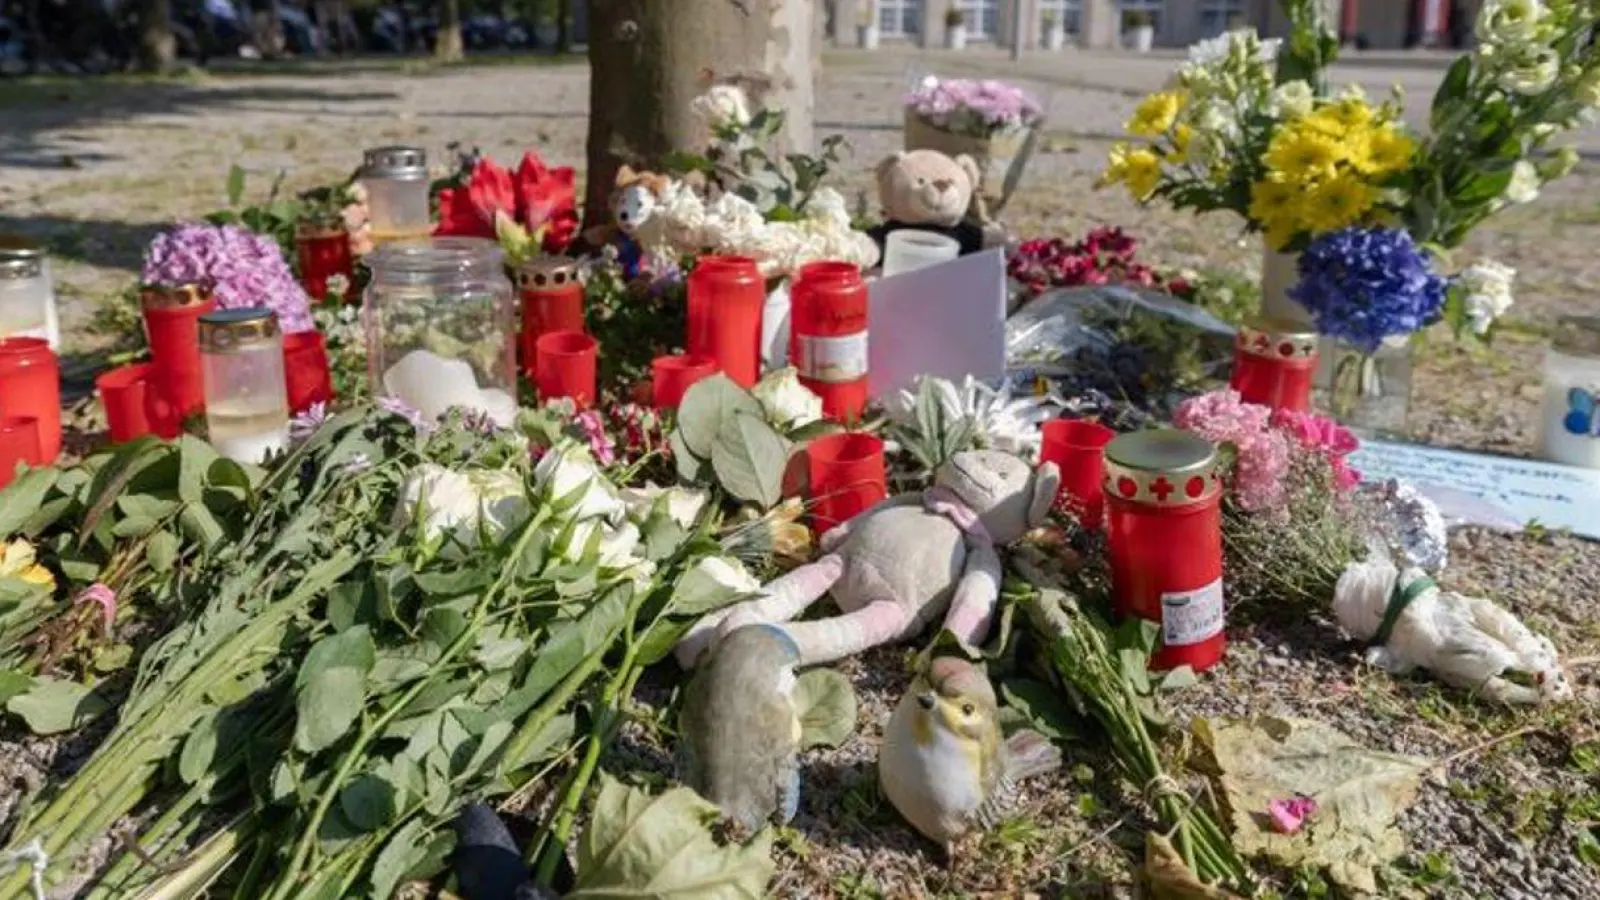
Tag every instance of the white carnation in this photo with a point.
(1292, 99)
(1487, 290)
(723, 104)
(1524, 186)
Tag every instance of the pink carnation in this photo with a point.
(1263, 453)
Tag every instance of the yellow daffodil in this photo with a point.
(1389, 150)
(1181, 136)
(1155, 114)
(1300, 155)
(1338, 203)
(1271, 201)
(1143, 173)
(20, 561)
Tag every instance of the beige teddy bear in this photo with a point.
(929, 191)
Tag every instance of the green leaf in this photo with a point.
(200, 525)
(551, 739)
(495, 654)
(13, 683)
(706, 406)
(368, 802)
(199, 748)
(134, 527)
(397, 857)
(690, 467)
(1453, 90)
(1483, 186)
(638, 845)
(826, 705)
(348, 649)
(1588, 847)
(194, 461)
(146, 506)
(235, 185)
(749, 458)
(331, 688)
(569, 643)
(162, 551)
(21, 499)
(52, 707)
(1046, 710)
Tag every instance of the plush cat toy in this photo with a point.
(633, 200)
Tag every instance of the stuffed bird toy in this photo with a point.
(739, 731)
(945, 765)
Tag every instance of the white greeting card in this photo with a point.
(947, 320)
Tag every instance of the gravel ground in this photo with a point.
(96, 167)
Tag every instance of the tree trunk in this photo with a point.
(158, 49)
(646, 63)
(564, 26)
(447, 46)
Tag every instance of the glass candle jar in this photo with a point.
(323, 253)
(247, 405)
(1163, 495)
(396, 179)
(27, 298)
(1570, 418)
(1275, 364)
(441, 327)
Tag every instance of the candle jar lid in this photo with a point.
(237, 330)
(547, 272)
(1278, 339)
(18, 268)
(1165, 467)
(396, 163)
(436, 259)
(1578, 336)
(15, 246)
(158, 296)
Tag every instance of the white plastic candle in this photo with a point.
(396, 179)
(909, 249)
(27, 299)
(1570, 420)
(247, 401)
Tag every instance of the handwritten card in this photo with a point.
(1557, 496)
(947, 320)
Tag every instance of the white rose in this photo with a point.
(1510, 21)
(1487, 287)
(723, 104)
(614, 547)
(1532, 73)
(1524, 186)
(683, 504)
(569, 474)
(468, 505)
(787, 403)
(1292, 99)
(714, 581)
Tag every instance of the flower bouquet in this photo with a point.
(530, 210)
(995, 123)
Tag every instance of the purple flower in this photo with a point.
(1363, 285)
(244, 270)
(975, 107)
(396, 406)
(303, 426)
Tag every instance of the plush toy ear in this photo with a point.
(657, 184)
(1046, 481)
(626, 175)
(885, 169)
(970, 167)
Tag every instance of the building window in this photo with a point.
(983, 17)
(899, 18)
(1068, 12)
(1151, 8)
(1217, 16)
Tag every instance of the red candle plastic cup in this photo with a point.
(566, 366)
(812, 274)
(1164, 539)
(829, 333)
(19, 444)
(672, 376)
(846, 477)
(1078, 448)
(726, 298)
(552, 300)
(122, 393)
(30, 386)
(172, 326)
(1274, 364)
(305, 370)
(323, 254)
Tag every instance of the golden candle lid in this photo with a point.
(1278, 339)
(1165, 467)
(1577, 336)
(395, 163)
(237, 330)
(543, 273)
(155, 296)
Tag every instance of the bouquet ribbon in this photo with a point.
(1399, 599)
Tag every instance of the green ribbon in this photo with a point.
(1399, 599)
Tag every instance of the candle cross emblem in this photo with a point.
(1162, 488)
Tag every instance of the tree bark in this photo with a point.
(647, 60)
(448, 46)
(158, 49)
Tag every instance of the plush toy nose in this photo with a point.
(926, 701)
(943, 184)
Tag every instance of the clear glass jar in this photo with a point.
(396, 179)
(27, 298)
(1569, 422)
(441, 327)
(247, 403)
(1368, 392)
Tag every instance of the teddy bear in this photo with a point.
(634, 199)
(929, 191)
(896, 567)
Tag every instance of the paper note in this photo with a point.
(1556, 496)
(947, 320)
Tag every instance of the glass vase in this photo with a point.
(1280, 272)
(1369, 392)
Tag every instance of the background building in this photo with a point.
(1378, 24)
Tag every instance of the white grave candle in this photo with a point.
(910, 249)
(1570, 419)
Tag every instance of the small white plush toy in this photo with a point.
(1468, 642)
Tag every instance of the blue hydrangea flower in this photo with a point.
(1362, 285)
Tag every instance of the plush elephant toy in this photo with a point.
(901, 564)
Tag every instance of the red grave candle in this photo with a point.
(19, 445)
(305, 370)
(323, 253)
(1164, 538)
(566, 367)
(172, 326)
(552, 300)
(122, 393)
(726, 298)
(30, 387)
(1274, 364)
(672, 376)
(1078, 448)
(847, 477)
(828, 328)
(810, 275)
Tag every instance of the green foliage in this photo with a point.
(634, 322)
(722, 432)
(1312, 46)
(739, 161)
(277, 216)
(826, 704)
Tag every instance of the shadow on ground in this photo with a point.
(102, 243)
